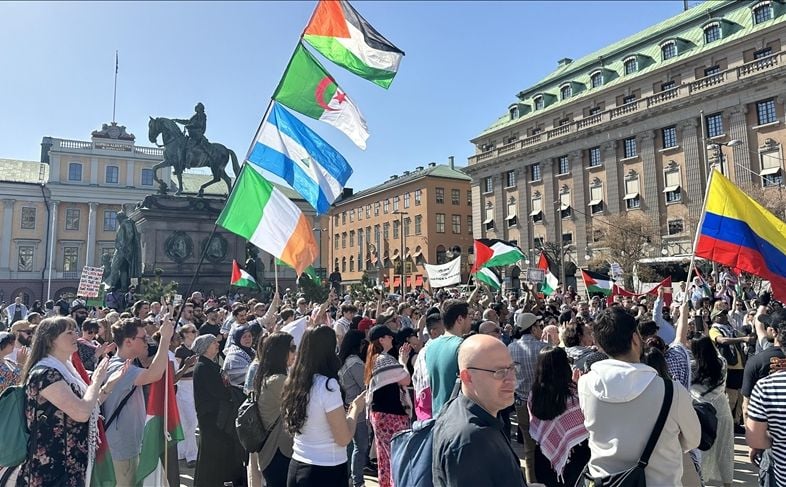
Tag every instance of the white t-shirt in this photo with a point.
(315, 445)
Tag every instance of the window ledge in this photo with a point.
(509, 187)
(537, 181)
(638, 208)
(667, 150)
(670, 203)
(717, 137)
(766, 125)
(484, 193)
(563, 175)
(629, 159)
(594, 168)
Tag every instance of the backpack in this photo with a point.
(249, 425)
(411, 452)
(13, 427)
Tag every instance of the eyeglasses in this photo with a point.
(499, 374)
(143, 338)
(189, 331)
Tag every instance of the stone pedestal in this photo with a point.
(174, 231)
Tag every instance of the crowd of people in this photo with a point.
(578, 381)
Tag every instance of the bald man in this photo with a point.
(490, 328)
(470, 448)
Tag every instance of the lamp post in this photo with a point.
(319, 231)
(717, 148)
(401, 249)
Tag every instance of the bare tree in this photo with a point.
(626, 238)
(773, 199)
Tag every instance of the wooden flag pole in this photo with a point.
(698, 228)
(275, 274)
(166, 413)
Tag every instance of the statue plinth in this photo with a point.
(174, 231)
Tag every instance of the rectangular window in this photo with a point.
(75, 171)
(72, 219)
(335, 241)
(407, 225)
(368, 211)
(469, 224)
(368, 235)
(335, 220)
(762, 13)
(565, 208)
(110, 220)
(712, 71)
(112, 174)
(26, 255)
(489, 221)
(352, 239)
(147, 177)
(456, 224)
(351, 216)
(510, 179)
(596, 80)
(596, 200)
(564, 165)
(594, 157)
(488, 184)
(469, 197)
(563, 122)
(669, 85)
(629, 148)
(628, 99)
(672, 189)
(534, 172)
(539, 103)
(418, 196)
(376, 208)
(632, 197)
(440, 223)
(28, 218)
(455, 197)
(386, 206)
(537, 210)
(669, 135)
(360, 213)
(343, 217)
(765, 111)
(594, 111)
(418, 224)
(567, 238)
(395, 203)
(386, 231)
(70, 259)
(714, 125)
(395, 229)
(676, 227)
(762, 53)
(440, 195)
(344, 240)
(771, 169)
(406, 200)
(512, 219)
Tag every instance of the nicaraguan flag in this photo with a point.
(289, 149)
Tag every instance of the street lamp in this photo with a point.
(401, 250)
(716, 147)
(319, 231)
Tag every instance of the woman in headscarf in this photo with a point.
(239, 356)
(220, 457)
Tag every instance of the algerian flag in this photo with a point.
(490, 277)
(551, 282)
(241, 278)
(492, 252)
(307, 88)
(340, 34)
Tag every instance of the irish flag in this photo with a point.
(241, 278)
(307, 88)
(492, 252)
(260, 213)
(153, 437)
(596, 283)
(551, 282)
(340, 34)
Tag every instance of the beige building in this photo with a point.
(633, 128)
(424, 214)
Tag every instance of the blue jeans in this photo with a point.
(357, 451)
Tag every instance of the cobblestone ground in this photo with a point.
(744, 474)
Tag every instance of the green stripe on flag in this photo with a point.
(246, 204)
(305, 87)
(309, 271)
(333, 49)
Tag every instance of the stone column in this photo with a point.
(94, 170)
(612, 187)
(580, 201)
(8, 228)
(500, 207)
(549, 197)
(478, 210)
(54, 167)
(694, 172)
(91, 235)
(523, 209)
(52, 239)
(130, 174)
(738, 129)
(649, 178)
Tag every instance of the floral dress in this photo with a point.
(9, 374)
(60, 452)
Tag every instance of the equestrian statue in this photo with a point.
(183, 151)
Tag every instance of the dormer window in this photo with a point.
(596, 79)
(631, 65)
(565, 92)
(514, 112)
(668, 50)
(539, 102)
(712, 32)
(762, 12)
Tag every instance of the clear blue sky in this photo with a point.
(464, 63)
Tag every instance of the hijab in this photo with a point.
(237, 334)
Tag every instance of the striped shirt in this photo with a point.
(524, 352)
(768, 404)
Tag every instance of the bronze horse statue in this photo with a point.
(178, 156)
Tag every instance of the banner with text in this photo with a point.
(444, 274)
(90, 282)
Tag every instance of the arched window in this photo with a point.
(343, 264)
(668, 50)
(712, 32)
(762, 12)
(596, 79)
(631, 65)
(514, 112)
(539, 102)
(565, 91)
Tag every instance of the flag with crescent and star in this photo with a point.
(307, 88)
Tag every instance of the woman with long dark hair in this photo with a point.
(313, 413)
(556, 421)
(61, 409)
(352, 381)
(389, 402)
(276, 353)
(708, 384)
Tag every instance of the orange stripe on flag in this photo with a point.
(301, 249)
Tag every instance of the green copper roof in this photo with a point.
(685, 27)
(15, 171)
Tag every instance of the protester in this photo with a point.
(342, 325)
(469, 447)
(10, 373)
(16, 311)
(239, 356)
(351, 378)
(442, 356)
(220, 457)
(390, 406)
(22, 331)
(313, 413)
(187, 449)
(729, 344)
(556, 422)
(90, 351)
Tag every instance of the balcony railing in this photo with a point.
(679, 92)
(81, 146)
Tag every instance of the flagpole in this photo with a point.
(166, 414)
(275, 274)
(698, 228)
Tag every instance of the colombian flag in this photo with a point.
(739, 232)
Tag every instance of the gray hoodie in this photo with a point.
(621, 402)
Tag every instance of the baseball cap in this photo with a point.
(774, 319)
(526, 320)
(717, 312)
(20, 326)
(379, 331)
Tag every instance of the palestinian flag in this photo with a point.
(491, 252)
(154, 434)
(340, 34)
(551, 282)
(103, 474)
(241, 278)
(596, 283)
(306, 87)
(490, 277)
(310, 272)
